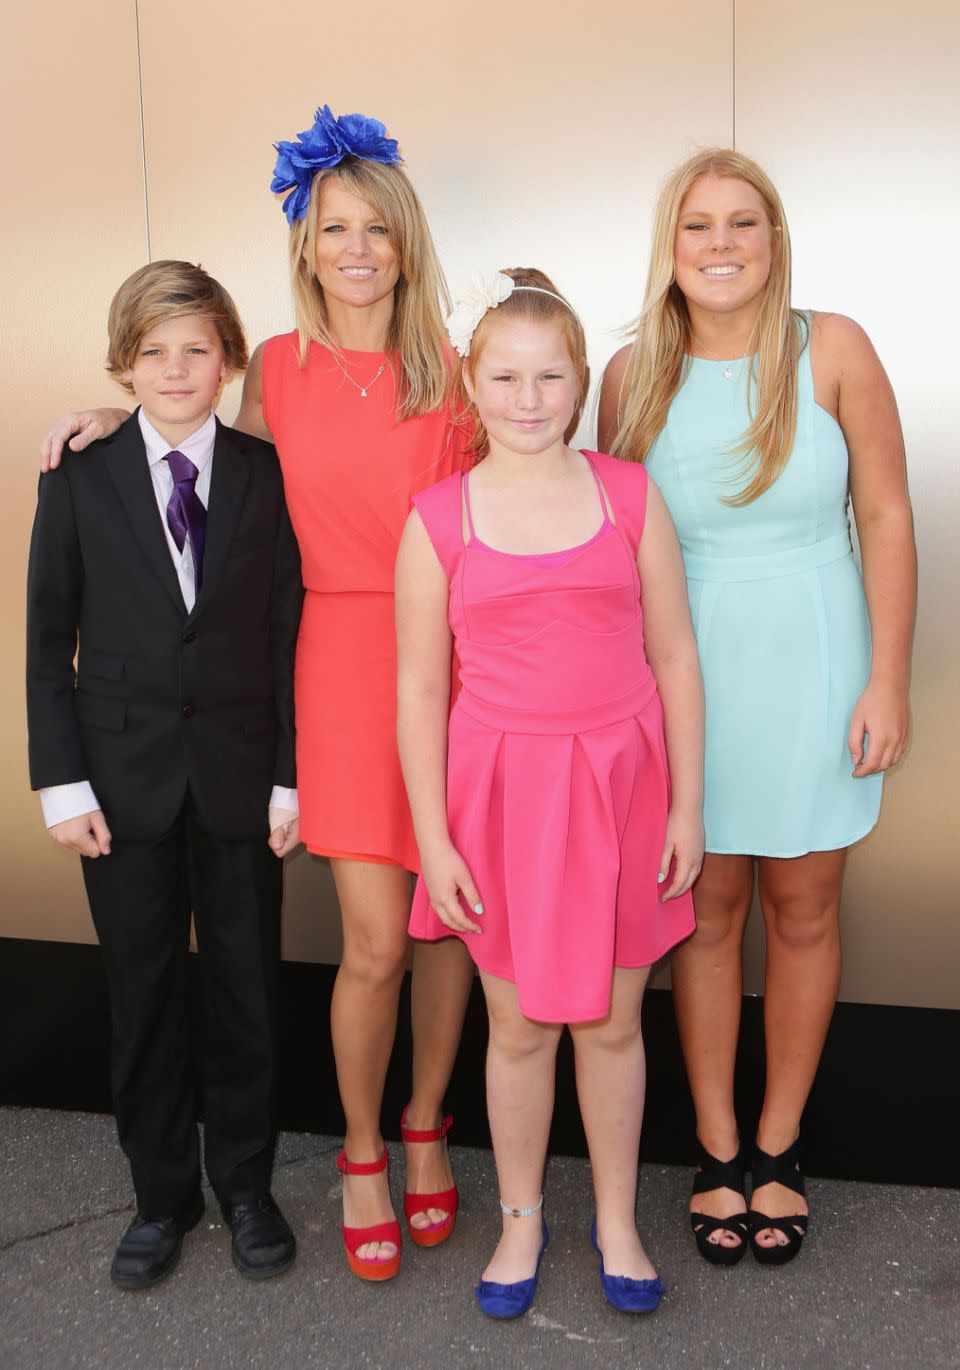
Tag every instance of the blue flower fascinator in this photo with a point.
(325, 145)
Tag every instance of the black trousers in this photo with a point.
(141, 897)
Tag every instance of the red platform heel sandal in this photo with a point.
(355, 1237)
(448, 1199)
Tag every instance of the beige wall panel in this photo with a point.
(74, 227)
(536, 134)
(854, 111)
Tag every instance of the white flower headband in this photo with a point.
(481, 295)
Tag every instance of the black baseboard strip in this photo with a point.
(877, 1111)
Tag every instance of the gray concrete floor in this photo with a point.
(877, 1286)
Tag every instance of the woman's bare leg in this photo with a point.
(442, 977)
(611, 1083)
(521, 1069)
(707, 973)
(800, 898)
(374, 905)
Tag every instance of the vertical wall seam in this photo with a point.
(143, 133)
(733, 91)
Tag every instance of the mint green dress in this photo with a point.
(780, 617)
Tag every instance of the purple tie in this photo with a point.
(185, 511)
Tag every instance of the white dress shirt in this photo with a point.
(60, 802)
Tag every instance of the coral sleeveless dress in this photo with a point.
(349, 470)
(557, 783)
(781, 621)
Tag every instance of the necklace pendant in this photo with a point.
(363, 394)
(727, 374)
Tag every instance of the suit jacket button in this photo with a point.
(190, 635)
(188, 711)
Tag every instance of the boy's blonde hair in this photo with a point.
(167, 290)
(421, 299)
(662, 340)
(551, 307)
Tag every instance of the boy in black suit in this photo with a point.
(166, 757)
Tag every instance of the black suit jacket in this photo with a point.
(162, 700)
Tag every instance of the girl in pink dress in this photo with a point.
(550, 841)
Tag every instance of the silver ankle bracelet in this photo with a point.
(521, 1212)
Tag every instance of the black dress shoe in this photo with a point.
(150, 1248)
(263, 1244)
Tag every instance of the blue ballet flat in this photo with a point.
(630, 1296)
(510, 1300)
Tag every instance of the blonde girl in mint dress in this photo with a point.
(758, 422)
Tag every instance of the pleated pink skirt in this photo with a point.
(563, 835)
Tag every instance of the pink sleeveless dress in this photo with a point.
(557, 782)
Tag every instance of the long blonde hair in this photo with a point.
(421, 299)
(662, 337)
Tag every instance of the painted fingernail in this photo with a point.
(478, 908)
(660, 878)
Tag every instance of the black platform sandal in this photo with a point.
(782, 1169)
(714, 1174)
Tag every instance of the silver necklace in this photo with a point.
(356, 384)
(727, 370)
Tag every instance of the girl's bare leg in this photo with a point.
(707, 973)
(374, 904)
(611, 1083)
(521, 1069)
(800, 898)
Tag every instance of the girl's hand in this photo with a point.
(82, 429)
(445, 875)
(882, 713)
(683, 845)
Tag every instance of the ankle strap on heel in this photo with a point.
(716, 1174)
(430, 1134)
(347, 1167)
(781, 1169)
(521, 1212)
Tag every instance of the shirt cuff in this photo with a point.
(281, 798)
(61, 802)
